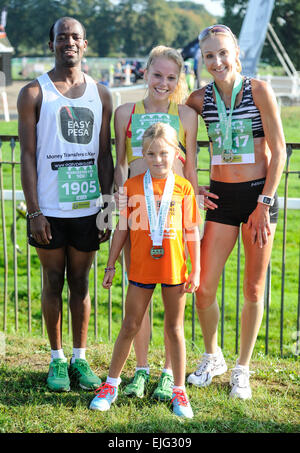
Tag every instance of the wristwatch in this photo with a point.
(264, 199)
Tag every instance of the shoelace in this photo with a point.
(203, 365)
(181, 398)
(139, 377)
(104, 389)
(60, 369)
(84, 366)
(240, 377)
(166, 381)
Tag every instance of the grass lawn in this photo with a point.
(26, 406)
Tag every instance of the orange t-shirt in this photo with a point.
(183, 213)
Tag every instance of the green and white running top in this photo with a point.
(67, 151)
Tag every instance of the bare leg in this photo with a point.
(174, 303)
(141, 344)
(142, 338)
(216, 246)
(137, 301)
(168, 363)
(141, 341)
(78, 268)
(256, 264)
(53, 264)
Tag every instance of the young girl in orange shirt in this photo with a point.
(157, 236)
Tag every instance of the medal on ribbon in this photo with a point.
(157, 221)
(157, 252)
(226, 121)
(227, 155)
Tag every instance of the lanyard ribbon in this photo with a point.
(225, 121)
(157, 221)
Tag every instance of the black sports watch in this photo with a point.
(264, 199)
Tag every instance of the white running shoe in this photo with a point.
(211, 365)
(239, 381)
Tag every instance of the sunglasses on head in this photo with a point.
(217, 28)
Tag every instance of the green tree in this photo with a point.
(130, 35)
(99, 18)
(129, 27)
(157, 24)
(28, 23)
(285, 20)
(190, 18)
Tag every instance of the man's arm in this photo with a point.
(105, 160)
(29, 101)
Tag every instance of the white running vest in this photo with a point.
(67, 151)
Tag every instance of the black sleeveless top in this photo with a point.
(245, 110)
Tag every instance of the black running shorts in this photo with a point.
(80, 232)
(237, 201)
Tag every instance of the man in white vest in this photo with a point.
(64, 131)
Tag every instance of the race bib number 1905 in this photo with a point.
(78, 187)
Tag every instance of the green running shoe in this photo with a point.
(58, 378)
(164, 390)
(81, 373)
(137, 386)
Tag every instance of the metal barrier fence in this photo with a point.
(13, 194)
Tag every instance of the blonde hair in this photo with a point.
(160, 130)
(228, 32)
(180, 93)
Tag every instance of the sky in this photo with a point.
(213, 6)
